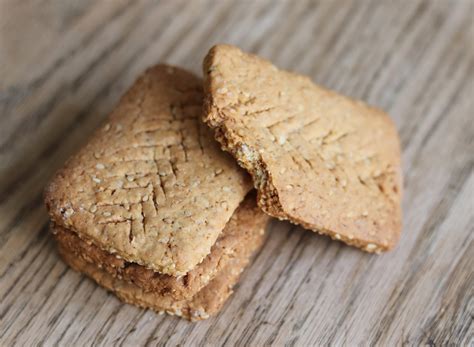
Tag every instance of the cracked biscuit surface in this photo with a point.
(152, 185)
(243, 236)
(318, 159)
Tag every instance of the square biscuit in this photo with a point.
(151, 186)
(242, 234)
(317, 158)
(247, 232)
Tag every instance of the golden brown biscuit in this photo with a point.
(318, 159)
(247, 230)
(240, 236)
(151, 186)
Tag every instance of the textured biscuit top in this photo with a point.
(152, 184)
(319, 159)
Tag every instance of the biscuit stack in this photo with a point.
(153, 210)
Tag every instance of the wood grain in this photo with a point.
(65, 63)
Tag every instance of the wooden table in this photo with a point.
(63, 65)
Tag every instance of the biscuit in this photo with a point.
(205, 301)
(317, 158)
(152, 186)
(240, 236)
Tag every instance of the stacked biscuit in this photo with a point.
(153, 210)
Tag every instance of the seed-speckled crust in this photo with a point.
(240, 236)
(152, 185)
(249, 235)
(318, 159)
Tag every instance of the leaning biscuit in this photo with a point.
(248, 231)
(151, 186)
(318, 159)
(241, 235)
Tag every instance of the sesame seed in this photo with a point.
(370, 247)
(226, 189)
(93, 208)
(68, 213)
(107, 127)
(337, 236)
(222, 90)
(164, 239)
(118, 128)
(330, 166)
(129, 178)
(106, 214)
(281, 140)
(95, 179)
(145, 198)
(100, 166)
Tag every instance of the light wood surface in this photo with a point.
(63, 65)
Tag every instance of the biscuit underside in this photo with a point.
(205, 303)
(241, 236)
(195, 296)
(317, 159)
